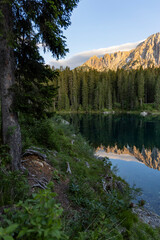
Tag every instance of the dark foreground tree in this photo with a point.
(23, 25)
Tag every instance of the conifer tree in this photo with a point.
(140, 80)
(157, 93)
(84, 92)
(93, 90)
(23, 25)
(75, 91)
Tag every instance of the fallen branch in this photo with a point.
(42, 183)
(23, 161)
(68, 168)
(34, 152)
(38, 185)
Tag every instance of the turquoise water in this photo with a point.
(143, 177)
(120, 129)
(123, 130)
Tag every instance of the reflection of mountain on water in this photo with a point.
(148, 157)
(122, 129)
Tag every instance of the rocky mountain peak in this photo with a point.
(146, 54)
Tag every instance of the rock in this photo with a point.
(98, 157)
(143, 114)
(109, 112)
(77, 159)
(109, 183)
(55, 153)
(106, 112)
(38, 163)
(104, 184)
(65, 122)
(146, 54)
(147, 216)
(87, 164)
(105, 161)
(120, 186)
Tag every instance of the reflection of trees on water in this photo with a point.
(121, 130)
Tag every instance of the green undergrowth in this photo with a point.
(36, 218)
(13, 187)
(92, 213)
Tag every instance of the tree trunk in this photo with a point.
(11, 134)
(141, 102)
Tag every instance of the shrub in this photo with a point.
(5, 158)
(13, 187)
(36, 218)
(141, 203)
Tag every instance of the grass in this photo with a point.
(92, 214)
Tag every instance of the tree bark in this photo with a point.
(141, 102)
(11, 134)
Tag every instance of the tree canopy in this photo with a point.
(24, 24)
(42, 21)
(38, 23)
(91, 90)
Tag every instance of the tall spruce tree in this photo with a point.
(140, 79)
(75, 91)
(23, 25)
(84, 92)
(93, 90)
(157, 94)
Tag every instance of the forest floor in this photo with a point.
(40, 173)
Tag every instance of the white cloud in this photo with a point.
(80, 58)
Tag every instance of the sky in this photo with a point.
(105, 26)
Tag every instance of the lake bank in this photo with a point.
(143, 177)
(131, 134)
(108, 111)
(146, 215)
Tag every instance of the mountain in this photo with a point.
(146, 54)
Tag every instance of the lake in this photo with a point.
(132, 134)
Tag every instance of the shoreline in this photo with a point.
(114, 111)
(144, 214)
